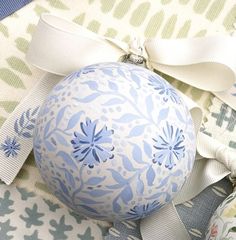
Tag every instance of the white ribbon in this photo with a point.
(61, 47)
(208, 63)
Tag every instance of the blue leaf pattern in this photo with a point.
(150, 175)
(126, 195)
(137, 131)
(163, 114)
(137, 154)
(89, 98)
(117, 177)
(113, 101)
(60, 115)
(67, 159)
(95, 180)
(128, 117)
(74, 120)
(140, 186)
(25, 125)
(98, 192)
(127, 164)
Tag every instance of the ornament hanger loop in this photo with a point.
(135, 54)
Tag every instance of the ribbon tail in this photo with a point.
(164, 224)
(11, 165)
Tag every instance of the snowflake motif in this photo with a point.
(141, 211)
(169, 146)
(91, 147)
(10, 147)
(164, 89)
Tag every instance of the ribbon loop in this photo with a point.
(228, 158)
(206, 63)
(61, 47)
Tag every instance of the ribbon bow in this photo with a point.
(60, 47)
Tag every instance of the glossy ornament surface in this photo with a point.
(114, 141)
(222, 225)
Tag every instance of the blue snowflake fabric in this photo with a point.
(10, 147)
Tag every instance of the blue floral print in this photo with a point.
(169, 146)
(164, 89)
(141, 211)
(91, 147)
(10, 147)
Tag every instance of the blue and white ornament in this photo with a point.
(114, 141)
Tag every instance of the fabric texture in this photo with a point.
(161, 19)
(8, 7)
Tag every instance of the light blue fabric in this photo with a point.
(8, 7)
(195, 215)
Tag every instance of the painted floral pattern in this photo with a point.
(95, 150)
(141, 211)
(92, 147)
(169, 146)
(164, 89)
(10, 147)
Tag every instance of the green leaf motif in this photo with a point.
(229, 20)
(111, 32)
(154, 24)
(183, 31)
(22, 44)
(94, 26)
(2, 120)
(8, 106)
(39, 10)
(215, 9)
(18, 65)
(106, 6)
(139, 14)
(58, 4)
(4, 30)
(31, 28)
(122, 8)
(169, 27)
(79, 19)
(11, 78)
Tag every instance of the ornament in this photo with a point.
(223, 222)
(114, 141)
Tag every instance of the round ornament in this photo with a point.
(223, 222)
(114, 141)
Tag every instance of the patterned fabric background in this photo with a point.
(163, 19)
